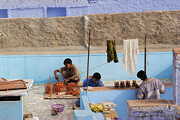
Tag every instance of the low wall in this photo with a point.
(162, 29)
(41, 67)
(118, 97)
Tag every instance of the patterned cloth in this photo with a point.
(150, 89)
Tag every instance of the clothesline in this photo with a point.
(101, 65)
(97, 66)
(130, 51)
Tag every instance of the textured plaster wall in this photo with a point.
(33, 32)
(161, 28)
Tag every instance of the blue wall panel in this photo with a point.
(3, 13)
(55, 12)
(40, 67)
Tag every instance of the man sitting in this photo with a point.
(69, 72)
(150, 87)
(93, 81)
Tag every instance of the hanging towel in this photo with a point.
(111, 51)
(130, 51)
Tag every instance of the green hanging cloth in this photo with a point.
(111, 51)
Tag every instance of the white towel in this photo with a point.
(130, 51)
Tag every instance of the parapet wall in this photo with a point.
(161, 29)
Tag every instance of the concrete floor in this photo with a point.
(35, 103)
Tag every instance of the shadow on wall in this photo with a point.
(165, 74)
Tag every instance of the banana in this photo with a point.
(97, 107)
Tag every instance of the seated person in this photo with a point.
(93, 81)
(69, 72)
(150, 88)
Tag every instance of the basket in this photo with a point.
(58, 107)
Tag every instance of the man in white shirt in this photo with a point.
(150, 88)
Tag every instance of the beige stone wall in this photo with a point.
(52, 33)
(160, 27)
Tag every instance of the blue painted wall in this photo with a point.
(11, 110)
(26, 13)
(118, 97)
(40, 67)
(121, 6)
(84, 7)
(3, 13)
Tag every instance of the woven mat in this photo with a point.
(54, 96)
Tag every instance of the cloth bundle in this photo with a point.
(111, 51)
(130, 51)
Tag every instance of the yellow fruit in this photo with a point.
(97, 107)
